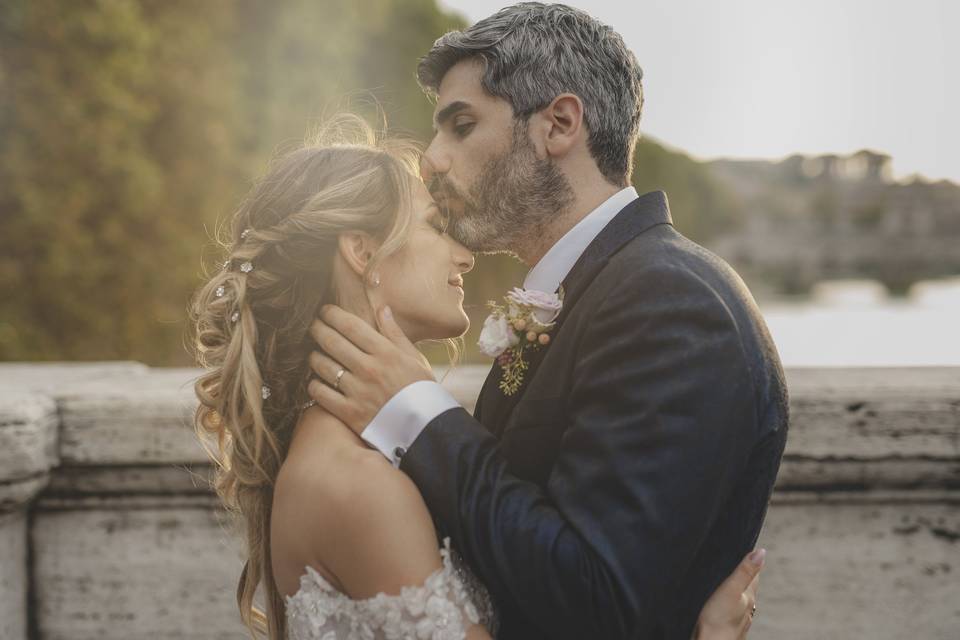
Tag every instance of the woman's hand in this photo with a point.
(729, 612)
(362, 367)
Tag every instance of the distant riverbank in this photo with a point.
(857, 323)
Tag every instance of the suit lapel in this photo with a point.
(503, 405)
(647, 211)
(488, 396)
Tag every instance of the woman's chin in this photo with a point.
(456, 328)
(463, 325)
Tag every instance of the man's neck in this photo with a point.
(531, 249)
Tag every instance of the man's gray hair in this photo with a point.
(533, 52)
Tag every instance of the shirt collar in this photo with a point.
(554, 266)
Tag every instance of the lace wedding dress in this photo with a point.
(442, 608)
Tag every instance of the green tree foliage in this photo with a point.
(128, 128)
(702, 206)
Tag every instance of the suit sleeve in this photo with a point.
(661, 420)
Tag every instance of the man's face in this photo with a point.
(483, 167)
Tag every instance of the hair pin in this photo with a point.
(226, 265)
(246, 267)
(235, 316)
(220, 291)
(246, 232)
(265, 392)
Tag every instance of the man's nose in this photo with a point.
(433, 162)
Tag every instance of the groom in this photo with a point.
(626, 477)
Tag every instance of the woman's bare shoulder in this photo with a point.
(351, 512)
(327, 469)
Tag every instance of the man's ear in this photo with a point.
(563, 118)
(357, 248)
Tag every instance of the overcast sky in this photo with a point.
(768, 78)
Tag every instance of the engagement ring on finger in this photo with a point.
(336, 385)
(753, 611)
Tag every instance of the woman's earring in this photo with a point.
(375, 279)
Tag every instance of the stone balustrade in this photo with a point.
(108, 528)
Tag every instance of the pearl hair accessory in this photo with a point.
(220, 291)
(246, 267)
(246, 232)
(265, 392)
(235, 316)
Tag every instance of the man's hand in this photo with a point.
(375, 366)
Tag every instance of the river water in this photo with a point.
(856, 323)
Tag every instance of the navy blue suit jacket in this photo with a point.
(611, 495)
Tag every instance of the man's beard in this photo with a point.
(516, 195)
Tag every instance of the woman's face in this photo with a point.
(422, 283)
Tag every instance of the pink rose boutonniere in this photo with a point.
(523, 322)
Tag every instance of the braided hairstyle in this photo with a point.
(252, 317)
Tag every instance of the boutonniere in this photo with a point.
(522, 323)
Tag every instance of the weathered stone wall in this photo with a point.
(108, 529)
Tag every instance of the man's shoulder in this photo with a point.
(664, 248)
(662, 257)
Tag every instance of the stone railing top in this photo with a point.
(28, 426)
(905, 382)
(50, 377)
(28, 445)
(872, 413)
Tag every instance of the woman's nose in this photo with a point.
(464, 258)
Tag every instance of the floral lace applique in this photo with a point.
(442, 608)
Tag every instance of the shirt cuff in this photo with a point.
(404, 416)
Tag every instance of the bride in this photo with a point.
(338, 540)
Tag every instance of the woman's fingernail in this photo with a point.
(756, 558)
(387, 314)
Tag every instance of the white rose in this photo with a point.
(497, 336)
(544, 306)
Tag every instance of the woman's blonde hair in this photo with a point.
(252, 317)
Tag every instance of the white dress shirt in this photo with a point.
(405, 415)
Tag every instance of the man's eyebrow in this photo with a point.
(448, 111)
